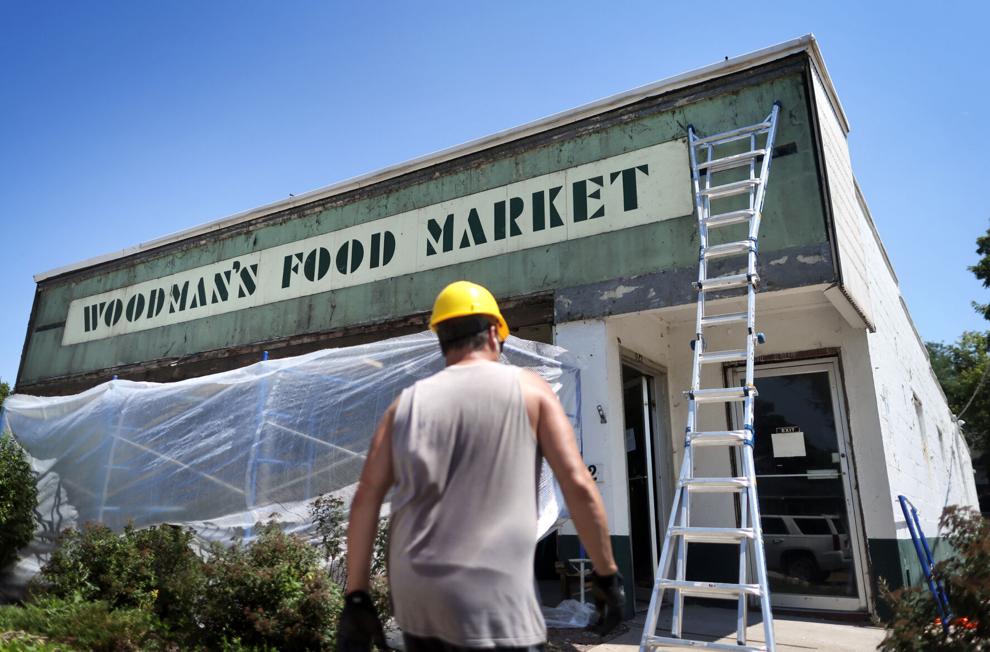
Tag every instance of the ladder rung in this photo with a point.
(712, 534)
(667, 641)
(729, 249)
(716, 394)
(726, 282)
(710, 357)
(731, 217)
(735, 134)
(718, 438)
(729, 162)
(714, 485)
(727, 318)
(710, 589)
(730, 189)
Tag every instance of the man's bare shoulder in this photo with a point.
(533, 384)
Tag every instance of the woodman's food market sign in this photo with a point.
(638, 187)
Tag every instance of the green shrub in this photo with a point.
(330, 518)
(177, 571)
(83, 625)
(18, 498)
(96, 563)
(18, 641)
(966, 576)
(272, 592)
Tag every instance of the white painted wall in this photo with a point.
(849, 232)
(601, 384)
(928, 459)
(926, 456)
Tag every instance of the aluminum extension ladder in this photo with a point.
(722, 155)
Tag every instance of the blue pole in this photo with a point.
(924, 557)
(931, 563)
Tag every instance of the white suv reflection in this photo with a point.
(806, 548)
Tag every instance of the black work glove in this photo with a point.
(610, 601)
(359, 625)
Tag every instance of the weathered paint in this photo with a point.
(614, 193)
(794, 219)
(851, 232)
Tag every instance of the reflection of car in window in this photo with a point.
(807, 548)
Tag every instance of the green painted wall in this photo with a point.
(793, 217)
(896, 562)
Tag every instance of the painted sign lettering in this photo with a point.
(639, 187)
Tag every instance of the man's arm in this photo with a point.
(376, 480)
(559, 446)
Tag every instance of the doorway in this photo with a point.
(811, 532)
(647, 444)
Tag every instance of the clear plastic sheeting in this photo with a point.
(569, 614)
(221, 452)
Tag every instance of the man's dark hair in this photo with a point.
(470, 333)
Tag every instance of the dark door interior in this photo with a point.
(801, 489)
(638, 405)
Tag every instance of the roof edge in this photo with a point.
(806, 43)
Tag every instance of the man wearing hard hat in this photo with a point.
(462, 450)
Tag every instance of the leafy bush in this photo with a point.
(18, 498)
(17, 641)
(95, 563)
(272, 592)
(83, 625)
(330, 519)
(966, 576)
(177, 570)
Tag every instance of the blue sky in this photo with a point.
(123, 121)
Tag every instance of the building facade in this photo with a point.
(583, 226)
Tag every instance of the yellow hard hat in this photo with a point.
(463, 299)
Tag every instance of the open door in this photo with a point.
(647, 445)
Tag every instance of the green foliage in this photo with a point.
(272, 592)
(95, 563)
(147, 589)
(17, 641)
(18, 498)
(982, 269)
(4, 391)
(177, 571)
(154, 569)
(960, 368)
(379, 553)
(95, 626)
(330, 519)
(966, 577)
